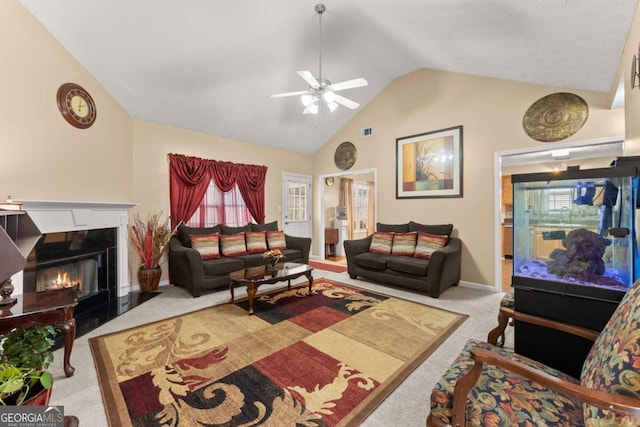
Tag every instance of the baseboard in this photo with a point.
(478, 286)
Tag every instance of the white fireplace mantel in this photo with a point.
(52, 216)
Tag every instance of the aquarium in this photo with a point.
(574, 231)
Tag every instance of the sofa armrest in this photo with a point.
(444, 267)
(303, 244)
(353, 248)
(185, 267)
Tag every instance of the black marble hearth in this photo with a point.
(90, 318)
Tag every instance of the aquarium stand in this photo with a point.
(559, 302)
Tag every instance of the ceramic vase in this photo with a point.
(149, 278)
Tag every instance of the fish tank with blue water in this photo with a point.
(574, 231)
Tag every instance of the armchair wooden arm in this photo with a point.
(552, 324)
(617, 403)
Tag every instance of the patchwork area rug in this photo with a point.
(328, 359)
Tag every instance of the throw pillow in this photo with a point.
(428, 244)
(256, 242)
(233, 244)
(184, 232)
(276, 240)
(381, 243)
(207, 245)
(404, 243)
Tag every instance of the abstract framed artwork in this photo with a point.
(429, 164)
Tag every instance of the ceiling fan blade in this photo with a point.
(281, 95)
(308, 77)
(346, 102)
(348, 84)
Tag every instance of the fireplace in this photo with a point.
(83, 259)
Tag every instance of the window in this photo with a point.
(217, 207)
(297, 199)
(360, 205)
(560, 199)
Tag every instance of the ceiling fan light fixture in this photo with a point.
(329, 96)
(320, 89)
(306, 99)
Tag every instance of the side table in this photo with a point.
(44, 308)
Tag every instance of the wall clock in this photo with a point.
(328, 181)
(76, 105)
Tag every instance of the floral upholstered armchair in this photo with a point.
(490, 386)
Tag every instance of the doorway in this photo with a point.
(586, 154)
(329, 186)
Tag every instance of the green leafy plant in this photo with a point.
(24, 359)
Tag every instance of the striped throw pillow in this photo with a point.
(256, 242)
(233, 244)
(428, 244)
(276, 240)
(207, 245)
(381, 243)
(404, 243)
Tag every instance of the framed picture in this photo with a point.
(429, 164)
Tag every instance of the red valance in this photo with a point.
(189, 178)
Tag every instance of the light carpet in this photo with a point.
(321, 360)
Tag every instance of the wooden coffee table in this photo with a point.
(253, 277)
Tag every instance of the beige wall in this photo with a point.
(632, 96)
(491, 112)
(43, 157)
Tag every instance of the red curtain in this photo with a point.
(190, 176)
(188, 181)
(251, 186)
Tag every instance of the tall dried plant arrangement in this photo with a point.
(150, 237)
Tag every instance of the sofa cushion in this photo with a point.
(225, 229)
(393, 228)
(233, 245)
(440, 229)
(256, 242)
(185, 231)
(381, 243)
(428, 244)
(276, 240)
(220, 266)
(271, 226)
(372, 260)
(408, 264)
(404, 243)
(207, 245)
(252, 260)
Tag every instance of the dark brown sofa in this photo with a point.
(187, 269)
(430, 276)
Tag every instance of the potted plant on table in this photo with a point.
(150, 237)
(272, 257)
(24, 359)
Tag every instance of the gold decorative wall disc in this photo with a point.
(345, 156)
(555, 117)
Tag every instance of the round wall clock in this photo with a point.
(76, 105)
(328, 181)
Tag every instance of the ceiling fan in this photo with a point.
(320, 89)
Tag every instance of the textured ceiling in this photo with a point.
(210, 66)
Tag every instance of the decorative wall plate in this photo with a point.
(555, 117)
(345, 156)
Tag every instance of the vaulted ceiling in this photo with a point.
(210, 66)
